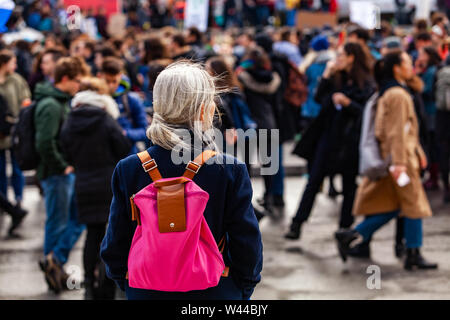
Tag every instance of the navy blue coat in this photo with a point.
(229, 212)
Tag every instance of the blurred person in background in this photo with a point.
(427, 66)
(132, 113)
(44, 67)
(93, 142)
(396, 129)
(16, 93)
(260, 83)
(288, 45)
(331, 144)
(56, 175)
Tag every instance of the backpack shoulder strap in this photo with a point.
(149, 165)
(194, 166)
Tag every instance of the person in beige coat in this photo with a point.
(400, 192)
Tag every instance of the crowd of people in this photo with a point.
(94, 100)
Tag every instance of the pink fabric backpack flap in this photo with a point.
(175, 261)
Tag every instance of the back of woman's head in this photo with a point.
(225, 77)
(259, 57)
(183, 97)
(434, 59)
(154, 49)
(384, 68)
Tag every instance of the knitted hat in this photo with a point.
(319, 43)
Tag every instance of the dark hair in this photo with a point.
(423, 36)
(226, 78)
(112, 66)
(154, 49)
(106, 51)
(361, 33)
(434, 59)
(285, 34)
(194, 31)
(155, 68)
(421, 24)
(68, 66)
(361, 71)
(260, 58)
(179, 40)
(384, 68)
(6, 56)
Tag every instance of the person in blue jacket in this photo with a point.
(184, 94)
(133, 118)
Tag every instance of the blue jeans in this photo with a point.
(17, 179)
(413, 228)
(62, 229)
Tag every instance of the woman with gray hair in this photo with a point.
(184, 95)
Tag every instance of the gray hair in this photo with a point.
(182, 93)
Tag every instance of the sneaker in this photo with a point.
(53, 272)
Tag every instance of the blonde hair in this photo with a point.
(184, 92)
(94, 84)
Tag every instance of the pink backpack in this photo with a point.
(173, 248)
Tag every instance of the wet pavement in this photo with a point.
(309, 268)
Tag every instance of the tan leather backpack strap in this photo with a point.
(194, 166)
(149, 165)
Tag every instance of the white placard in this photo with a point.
(196, 14)
(365, 13)
(423, 9)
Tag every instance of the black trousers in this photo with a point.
(444, 162)
(317, 173)
(94, 274)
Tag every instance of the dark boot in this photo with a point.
(294, 231)
(400, 249)
(89, 291)
(344, 238)
(415, 260)
(361, 250)
(278, 201)
(17, 215)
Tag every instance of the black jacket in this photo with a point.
(342, 128)
(260, 87)
(93, 142)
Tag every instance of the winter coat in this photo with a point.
(396, 129)
(15, 90)
(229, 211)
(311, 108)
(341, 128)
(286, 115)
(259, 88)
(133, 118)
(51, 111)
(93, 143)
(429, 79)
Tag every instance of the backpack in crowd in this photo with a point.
(6, 119)
(173, 248)
(296, 92)
(371, 164)
(23, 139)
(443, 89)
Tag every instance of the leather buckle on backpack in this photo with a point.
(193, 170)
(147, 169)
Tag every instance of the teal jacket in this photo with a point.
(51, 110)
